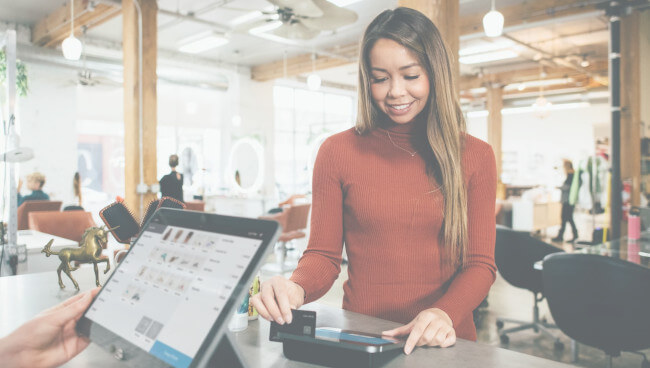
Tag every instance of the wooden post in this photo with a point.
(133, 105)
(632, 46)
(444, 14)
(494, 106)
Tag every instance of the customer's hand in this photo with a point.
(49, 339)
(277, 297)
(432, 327)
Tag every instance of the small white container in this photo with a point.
(238, 322)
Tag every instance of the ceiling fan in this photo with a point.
(87, 77)
(299, 19)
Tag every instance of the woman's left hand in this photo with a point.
(432, 327)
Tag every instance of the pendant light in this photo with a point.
(542, 106)
(313, 80)
(493, 22)
(71, 46)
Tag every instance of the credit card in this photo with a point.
(302, 324)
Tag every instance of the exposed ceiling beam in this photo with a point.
(526, 12)
(55, 27)
(560, 61)
(304, 64)
(530, 11)
(578, 83)
(597, 69)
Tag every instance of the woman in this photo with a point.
(171, 185)
(35, 183)
(408, 192)
(567, 207)
(76, 187)
(77, 205)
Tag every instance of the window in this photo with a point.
(303, 119)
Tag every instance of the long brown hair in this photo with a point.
(445, 125)
(76, 186)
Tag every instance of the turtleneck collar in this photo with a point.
(405, 134)
(402, 129)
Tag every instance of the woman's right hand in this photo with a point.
(277, 297)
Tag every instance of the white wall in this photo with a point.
(46, 121)
(56, 111)
(257, 113)
(538, 145)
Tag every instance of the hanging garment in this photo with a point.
(575, 186)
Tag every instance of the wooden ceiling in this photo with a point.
(55, 27)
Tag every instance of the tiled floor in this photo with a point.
(507, 301)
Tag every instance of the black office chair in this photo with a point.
(515, 255)
(600, 301)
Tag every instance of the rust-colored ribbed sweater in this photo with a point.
(376, 198)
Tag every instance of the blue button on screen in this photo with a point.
(170, 355)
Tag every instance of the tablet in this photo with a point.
(170, 299)
(347, 339)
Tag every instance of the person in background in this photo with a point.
(35, 182)
(50, 338)
(409, 193)
(238, 178)
(567, 207)
(76, 189)
(171, 185)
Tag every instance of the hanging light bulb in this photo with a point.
(542, 106)
(71, 46)
(493, 22)
(313, 80)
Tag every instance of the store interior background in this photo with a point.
(73, 115)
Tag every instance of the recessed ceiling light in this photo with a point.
(538, 83)
(343, 3)
(487, 57)
(246, 17)
(485, 47)
(265, 28)
(202, 42)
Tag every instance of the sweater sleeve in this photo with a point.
(471, 284)
(320, 264)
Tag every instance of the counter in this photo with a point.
(23, 296)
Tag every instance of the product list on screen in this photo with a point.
(167, 294)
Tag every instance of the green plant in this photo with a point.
(21, 74)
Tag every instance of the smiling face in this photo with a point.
(399, 84)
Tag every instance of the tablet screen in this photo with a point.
(168, 292)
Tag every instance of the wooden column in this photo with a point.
(133, 105)
(444, 14)
(632, 45)
(494, 105)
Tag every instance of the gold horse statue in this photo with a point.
(90, 249)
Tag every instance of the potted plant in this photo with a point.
(21, 74)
